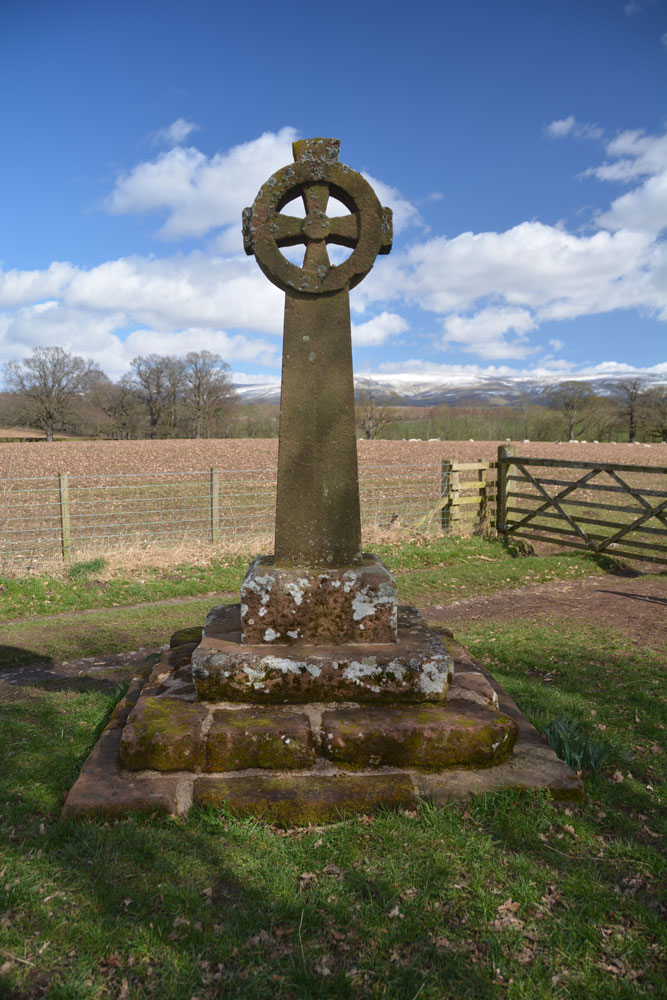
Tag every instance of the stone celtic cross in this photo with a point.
(317, 513)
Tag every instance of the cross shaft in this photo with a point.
(317, 509)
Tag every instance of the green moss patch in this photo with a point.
(296, 799)
(430, 739)
(249, 738)
(164, 734)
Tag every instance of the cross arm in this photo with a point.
(344, 230)
(287, 230)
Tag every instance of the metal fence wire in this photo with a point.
(43, 516)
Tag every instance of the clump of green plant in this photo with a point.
(80, 570)
(568, 739)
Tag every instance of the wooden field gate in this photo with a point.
(616, 510)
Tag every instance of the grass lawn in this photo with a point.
(509, 897)
(427, 570)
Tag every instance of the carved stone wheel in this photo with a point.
(315, 176)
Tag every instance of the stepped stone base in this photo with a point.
(164, 750)
(415, 668)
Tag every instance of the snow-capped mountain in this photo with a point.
(460, 389)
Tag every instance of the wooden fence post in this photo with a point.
(504, 451)
(445, 484)
(214, 505)
(65, 534)
(482, 475)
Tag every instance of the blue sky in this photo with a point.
(522, 146)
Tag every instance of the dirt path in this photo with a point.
(637, 605)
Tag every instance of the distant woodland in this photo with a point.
(56, 393)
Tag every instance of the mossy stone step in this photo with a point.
(424, 737)
(164, 734)
(299, 799)
(252, 737)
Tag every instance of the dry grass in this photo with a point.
(132, 557)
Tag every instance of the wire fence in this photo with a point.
(41, 517)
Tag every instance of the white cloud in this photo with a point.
(232, 347)
(489, 291)
(179, 291)
(635, 155)
(643, 209)
(556, 345)
(174, 134)
(242, 378)
(546, 368)
(200, 193)
(23, 287)
(405, 213)
(175, 304)
(484, 333)
(100, 336)
(563, 127)
(378, 329)
(543, 268)
(560, 128)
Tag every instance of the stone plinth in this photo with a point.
(415, 668)
(239, 757)
(286, 605)
(167, 730)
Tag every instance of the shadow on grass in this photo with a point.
(647, 598)
(518, 547)
(26, 668)
(211, 906)
(12, 657)
(215, 909)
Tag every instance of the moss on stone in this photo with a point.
(417, 738)
(246, 738)
(185, 635)
(163, 734)
(297, 799)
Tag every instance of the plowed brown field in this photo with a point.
(82, 458)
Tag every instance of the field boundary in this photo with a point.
(570, 505)
(65, 515)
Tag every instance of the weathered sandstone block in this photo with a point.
(430, 738)
(164, 734)
(286, 604)
(416, 668)
(266, 737)
(287, 798)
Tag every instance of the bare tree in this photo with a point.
(50, 379)
(371, 417)
(150, 380)
(175, 386)
(576, 401)
(630, 393)
(119, 403)
(207, 388)
(654, 412)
